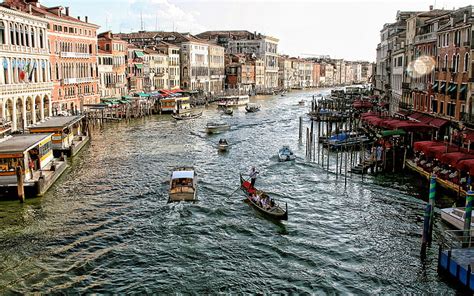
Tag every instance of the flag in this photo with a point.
(31, 70)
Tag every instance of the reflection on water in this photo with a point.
(107, 226)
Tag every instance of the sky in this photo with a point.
(347, 29)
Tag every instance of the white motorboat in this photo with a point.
(183, 185)
(252, 107)
(223, 145)
(455, 217)
(217, 127)
(234, 101)
(285, 154)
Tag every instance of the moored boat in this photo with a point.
(186, 116)
(285, 154)
(229, 111)
(183, 185)
(216, 127)
(273, 211)
(233, 101)
(455, 217)
(301, 103)
(252, 107)
(223, 145)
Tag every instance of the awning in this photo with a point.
(463, 88)
(139, 54)
(466, 165)
(139, 66)
(452, 88)
(183, 175)
(443, 84)
(415, 115)
(389, 133)
(438, 151)
(438, 122)
(424, 145)
(454, 157)
(435, 86)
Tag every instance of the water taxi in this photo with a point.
(223, 145)
(234, 101)
(183, 185)
(33, 155)
(285, 154)
(252, 107)
(216, 127)
(69, 133)
(455, 217)
(175, 104)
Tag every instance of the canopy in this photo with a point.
(389, 133)
(424, 145)
(139, 54)
(438, 151)
(466, 165)
(339, 137)
(139, 66)
(183, 175)
(438, 122)
(362, 104)
(453, 158)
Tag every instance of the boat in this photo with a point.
(301, 103)
(275, 212)
(285, 154)
(216, 127)
(228, 111)
(234, 101)
(223, 145)
(186, 116)
(455, 217)
(183, 185)
(344, 140)
(252, 107)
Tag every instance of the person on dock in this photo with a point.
(253, 176)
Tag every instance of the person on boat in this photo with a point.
(253, 177)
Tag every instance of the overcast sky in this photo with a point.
(346, 29)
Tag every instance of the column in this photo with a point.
(50, 111)
(33, 107)
(42, 108)
(14, 125)
(23, 111)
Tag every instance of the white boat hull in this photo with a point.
(286, 157)
(216, 130)
(454, 217)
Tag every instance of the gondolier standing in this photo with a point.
(253, 176)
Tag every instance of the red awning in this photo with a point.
(415, 115)
(424, 145)
(438, 122)
(438, 151)
(368, 114)
(362, 104)
(466, 165)
(468, 136)
(410, 126)
(453, 158)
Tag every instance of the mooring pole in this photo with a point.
(467, 219)
(432, 201)
(301, 129)
(20, 185)
(426, 230)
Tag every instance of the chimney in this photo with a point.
(29, 9)
(431, 7)
(67, 11)
(79, 18)
(86, 19)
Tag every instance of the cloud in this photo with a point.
(162, 15)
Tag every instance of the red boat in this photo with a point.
(275, 211)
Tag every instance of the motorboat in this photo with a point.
(233, 101)
(301, 103)
(186, 116)
(285, 154)
(217, 127)
(223, 145)
(228, 111)
(183, 185)
(455, 217)
(252, 107)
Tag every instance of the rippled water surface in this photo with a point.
(106, 225)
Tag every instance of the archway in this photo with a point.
(9, 110)
(38, 109)
(72, 109)
(46, 106)
(19, 114)
(29, 111)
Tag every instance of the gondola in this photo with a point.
(276, 212)
(186, 116)
(223, 145)
(229, 111)
(251, 107)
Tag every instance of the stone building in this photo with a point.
(112, 66)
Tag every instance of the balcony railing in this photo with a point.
(421, 86)
(428, 37)
(25, 87)
(23, 49)
(79, 55)
(78, 80)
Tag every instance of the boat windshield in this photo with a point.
(184, 182)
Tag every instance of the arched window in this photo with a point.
(445, 64)
(466, 62)
(32, 34)
(27, 36)
(453, 63)
(12, 35)
(41, 39)
(457, 63)
(3, 37)
(21, 30)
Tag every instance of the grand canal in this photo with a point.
(106, 225)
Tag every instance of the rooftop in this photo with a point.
(59, 121)
(21, 143)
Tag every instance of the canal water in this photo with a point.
(106, 225)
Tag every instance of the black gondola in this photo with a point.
(275, 212)
(186, 116)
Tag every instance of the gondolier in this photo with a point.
(253, 176)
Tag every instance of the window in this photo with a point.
(2, 33)
(466, 62)
(41, 39)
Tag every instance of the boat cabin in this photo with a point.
(68, 134)
(175, 104)
(183, 185)
(30, 152)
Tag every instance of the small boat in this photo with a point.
(186, 116)
(301, 103)
(252, 107)
(233, 101)
(216, 127)
(228, 111)
(285, 154)
(183, 185)
(455, 217)
(223, 145)
(275, 211)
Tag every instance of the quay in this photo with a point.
(27, 165)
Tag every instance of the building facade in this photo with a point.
(112, 66)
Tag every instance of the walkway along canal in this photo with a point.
(106, 224)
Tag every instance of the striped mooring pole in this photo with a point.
(467, 218)
(432, 202)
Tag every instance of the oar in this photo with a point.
(234, 191)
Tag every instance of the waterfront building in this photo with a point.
(73, 55)
(316, 74)
(216, 69)
(240, 72)
(112, 66)
(284, 72)
(25, 81)
(264, 47)
(173, 54)
(259, 74)
(157, 75)
(135, 69)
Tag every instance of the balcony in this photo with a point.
(405, 85)
(77, 55)
(421, 86)
(25, 87)
(428, 37)
(78, 80)
(466, 43)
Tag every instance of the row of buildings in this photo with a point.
(52, 62)
(425, 63)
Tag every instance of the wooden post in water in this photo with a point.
(467, 219)
(426, 227)
(20, 185)
(432, 202)
(307, 141)
(301, 129)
